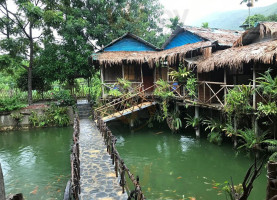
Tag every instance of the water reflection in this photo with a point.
(36, 162)
(177, 166)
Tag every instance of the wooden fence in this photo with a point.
(120, 167)
(73, 186)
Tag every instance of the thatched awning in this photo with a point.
(264, 30)
(172, 56)
(177, 54)
(263, 52)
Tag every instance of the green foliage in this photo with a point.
(174, 23)
(181, 75)
(268, 88)
(273, 157)
(254, 19)
(163, 89)
(38, 81)
(215, 137)
(191, 86)
(17, 117)
(176, 122)
(192, 121)
(125, 84)
(96, 88)
(205, 25)
(115, 93)
(250, 139)
(8, 104)
(52, 116)
(229, 130)
(215, 126)
(238, 101)
(238, 190)
(64, 98)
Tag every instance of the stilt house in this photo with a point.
(252, 54)
(140, 62)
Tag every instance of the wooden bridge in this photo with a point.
(129, 103)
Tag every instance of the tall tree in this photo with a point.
(111, 19)
(20, 20)
(175, 23)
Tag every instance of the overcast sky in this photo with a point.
(191, 10)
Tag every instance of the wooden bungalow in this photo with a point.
(125, 58)
(138, 61)
(252, 54)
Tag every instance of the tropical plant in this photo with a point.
(229, 130)
(8, 104)
(273, 157)
(215, 126)
(174, 120)
(251, 140)
(238, 101)
(163, 90)
(191, 86)
(115, 93)
(192, 121)
(180, 75)
(17, 117)
(205, 25)
(64, 98)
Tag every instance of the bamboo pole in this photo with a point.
(225, 83)
(102, 81)
(197, 129)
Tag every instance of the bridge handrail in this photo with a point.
(120, 167)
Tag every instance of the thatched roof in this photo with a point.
(263, 52)
(172, 56)
(177, 54)
(222, 36)
(263, 31)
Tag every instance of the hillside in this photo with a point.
(233, 19)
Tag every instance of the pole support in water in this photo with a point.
(197, 128)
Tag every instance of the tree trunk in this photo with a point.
(30, 100)
(2, 185)
(271, 190)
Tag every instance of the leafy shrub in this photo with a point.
(8, 104)
(53, 116)
(64, 98)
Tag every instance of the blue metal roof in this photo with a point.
(183, 38)
(129, 44)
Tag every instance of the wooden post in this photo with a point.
(235, 129)
(141, 73)
(2, 185)
(254, 86)
(102, 82)
(131, 123)
(225, 83)
(122, 68)
(197, 129)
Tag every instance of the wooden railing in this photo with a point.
(119, 166)
(134, 86)
(129, 100)
(73, 186)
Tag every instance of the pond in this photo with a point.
(177, 166)
(36, 162)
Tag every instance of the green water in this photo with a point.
(177, 166)
(36, 162)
